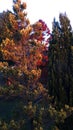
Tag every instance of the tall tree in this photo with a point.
(60, 70)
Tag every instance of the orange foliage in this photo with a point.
(26, 44)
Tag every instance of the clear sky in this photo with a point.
(43, 9)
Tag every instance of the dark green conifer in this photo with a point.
(60, 61)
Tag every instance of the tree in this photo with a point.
(60, 70)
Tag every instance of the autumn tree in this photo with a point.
(17, 45)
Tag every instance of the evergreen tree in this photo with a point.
(60, 67)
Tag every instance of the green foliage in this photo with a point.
(60, 70)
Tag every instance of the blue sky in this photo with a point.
(43, 9)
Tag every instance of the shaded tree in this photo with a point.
(60, 68)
